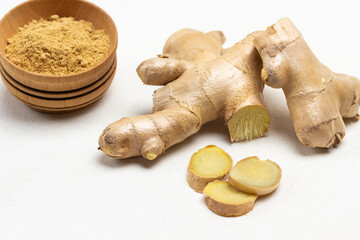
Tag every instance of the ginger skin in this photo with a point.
(318, 99)
(203, 83)
(225, 200)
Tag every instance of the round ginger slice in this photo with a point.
(206, 165)
(225, 200)
(254, 176)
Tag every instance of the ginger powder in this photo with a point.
(58, 46)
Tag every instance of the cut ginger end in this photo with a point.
(254, 176)
(206, 165)
(248, 123)
(225, 200)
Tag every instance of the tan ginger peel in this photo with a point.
(318, 99)
(203, 83)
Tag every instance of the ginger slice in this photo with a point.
(225, 200)
(206, 165)
(254, 176)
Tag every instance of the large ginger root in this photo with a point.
(225, 200)
(254, 176)
(202, 84)
(318, 99)
(207, 165)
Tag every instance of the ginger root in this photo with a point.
(203, 83)
(206, 165)
(253, 176)
(225, 200)
(318, 99)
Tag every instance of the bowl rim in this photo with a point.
(60, 77)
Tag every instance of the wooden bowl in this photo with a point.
(57, 95)
(61, 110)
(56, 104)
(36, 9)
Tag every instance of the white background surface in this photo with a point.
(55, 184)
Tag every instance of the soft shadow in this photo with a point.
(265, 197)
(350, 121)
(17, 111)
(217, 127)
(120, 163)
(143, 110)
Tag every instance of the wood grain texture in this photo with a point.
(36, 9)
(57, 95)
(62, 110)
(65, 103)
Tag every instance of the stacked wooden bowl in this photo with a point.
(56, 94)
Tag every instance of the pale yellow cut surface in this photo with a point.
(254, 172)
(210, 162)
(223, 192)
(248, 123)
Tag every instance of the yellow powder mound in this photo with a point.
(59, 46)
